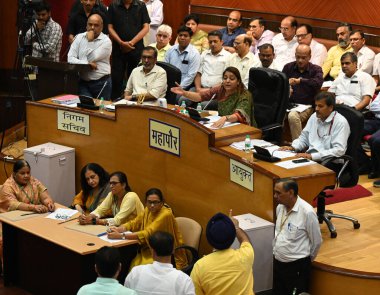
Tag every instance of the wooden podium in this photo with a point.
(54, 77)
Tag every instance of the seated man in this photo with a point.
(232, 30)
(365, 55)
(260, 36)
(305, 80)
(304, 35)
(107, 266)
(93, 48)
(326, 132)
(266, 56)
(353, 88)
(331, 67)
(163, 37)
(160, 277)
(225, 271)
(185, 57)
(78, 19)
(148, 80)
(285, 43)
(243, 59)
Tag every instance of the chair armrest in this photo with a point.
(271, 127)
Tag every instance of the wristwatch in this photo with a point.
(134, 97)
(123, 236)
(94, 220)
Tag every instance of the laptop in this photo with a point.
(264, 154)
(87, 102)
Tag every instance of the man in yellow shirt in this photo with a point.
(332, 65)
(225, 271)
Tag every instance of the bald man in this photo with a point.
(93, 48)
(243, 59)
(285, 43)
(232, 30)
(305, 80)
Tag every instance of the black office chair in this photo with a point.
(173, 75)
(346, 170)
(270, 91)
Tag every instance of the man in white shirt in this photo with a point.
(285, 43)
(160, 277)
(354, 88)
(365, 55)
(156, 14)
(304, 35)
(256, 30)
(297, 240)
(243, 59)
(149, 80)
(94, 48)
(266, 56)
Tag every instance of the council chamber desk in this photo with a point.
(195, 168)
(45, 257)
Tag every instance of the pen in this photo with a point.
(102, 234)
(25, 214)
(67, 220)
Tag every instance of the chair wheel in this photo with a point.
(356, 225)
(333, 235)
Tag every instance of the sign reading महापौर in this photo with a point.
(164, 137)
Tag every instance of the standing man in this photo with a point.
(243, 59)
(107, 266)
(304, 35)
(355, 88)
(232, 30)
(128, 24)
(331, 67)
(260, 35)
(296, 242)
(225, 270)
(266, 56)
(365, 55)
(285, 43)
(78, 20)
(149, 79)
(93, 48)
(163, 37)
(185, 57)
(156, 15)
(160, 277)
(46, 35)
(305, 80)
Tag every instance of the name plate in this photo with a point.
(73, 122)
(241, 174)
(164, 137)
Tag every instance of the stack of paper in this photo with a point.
(66, 99)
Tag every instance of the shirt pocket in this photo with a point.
(294, 231)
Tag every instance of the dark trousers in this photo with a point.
(96, 88)
(120, 63)
(373, 127)
(291, 276)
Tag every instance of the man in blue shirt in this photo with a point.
(185, 57)
(107, 266)
(232, 30)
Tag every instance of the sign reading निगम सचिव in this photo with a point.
(73, 122)
(164, 137)
(241, 174)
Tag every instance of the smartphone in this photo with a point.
(296, 161)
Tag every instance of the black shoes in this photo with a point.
(376, 183)
(373, 175)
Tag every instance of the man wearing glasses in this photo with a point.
(304, 35)
(148, 80)
(285, 43)
(232, 30)
(365, 55)
(259, 34)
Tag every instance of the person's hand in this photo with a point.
(90, 35)
(304, 155)
(294, 81)
(93, 65)
(286, 148)
(85, 219)
(115, 232)
(126, 46)
(220, 122)
(50, 206)
(177, 90)
(230, 49)
(40, 209)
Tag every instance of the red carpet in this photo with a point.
(345, 194)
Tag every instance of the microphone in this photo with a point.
(101, 90)
(209, 102)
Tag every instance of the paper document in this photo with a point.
(290, 165)
(62, 214)
(327, 84)
(215, 118)
(105, 238)
(272, 148)
(111, 107)
(300, 108)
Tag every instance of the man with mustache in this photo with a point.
(331, 67)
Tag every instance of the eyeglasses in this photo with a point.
(114, 182)
(154, 203)
(283, 29)
(301, 36)
(252, 27)
(237, 43)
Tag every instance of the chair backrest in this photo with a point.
(173, 75)
(356, 121)
(270, 91)
(191, 231)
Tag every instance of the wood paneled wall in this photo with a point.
(358, 12)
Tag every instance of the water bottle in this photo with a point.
(199, 108)
(183, 108)
(101, 105)
(247, 144)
